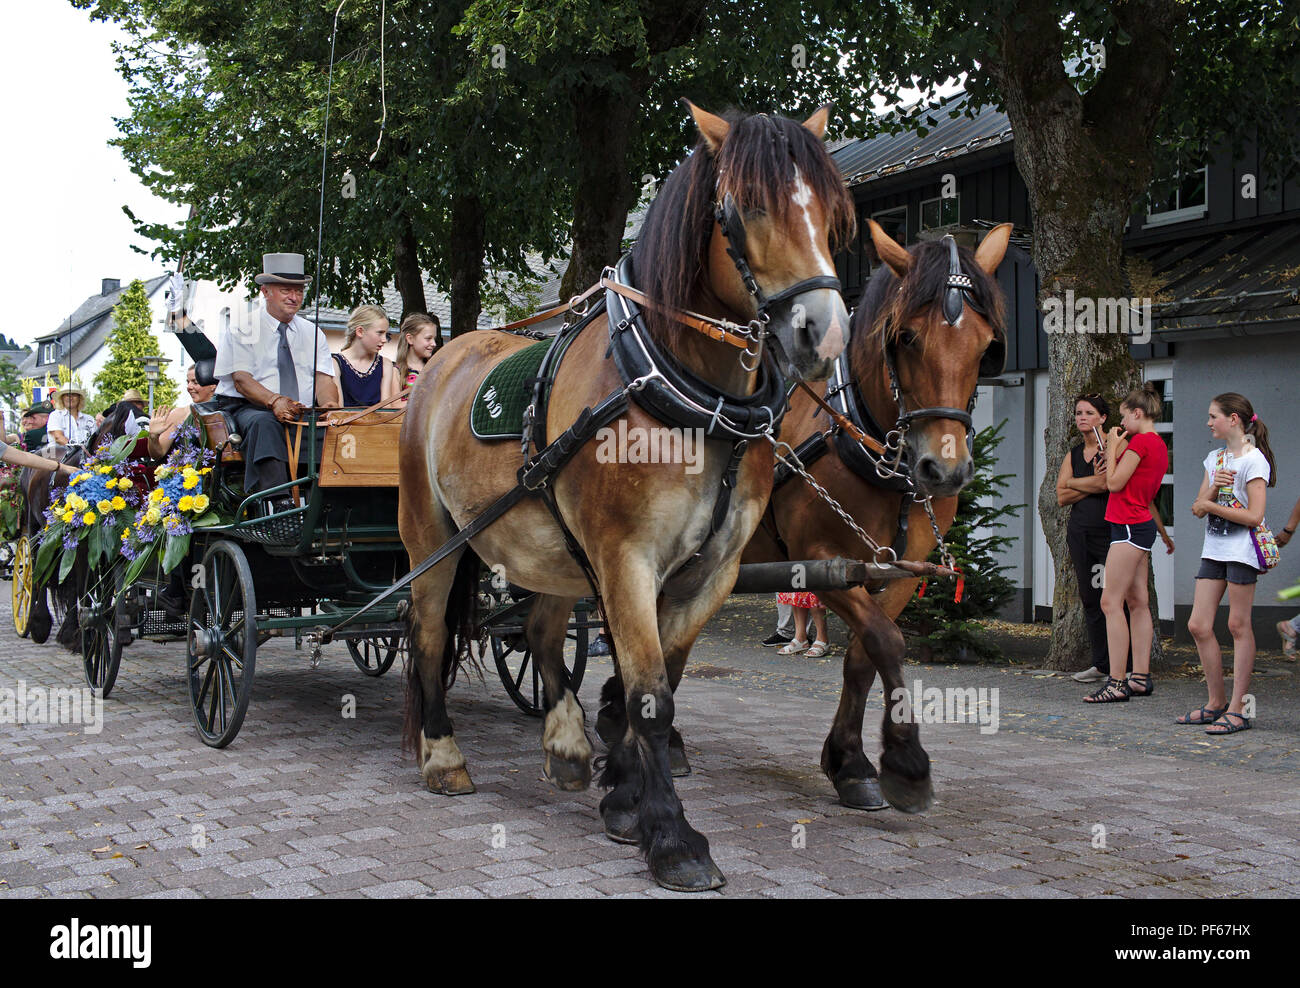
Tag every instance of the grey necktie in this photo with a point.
(284, 362)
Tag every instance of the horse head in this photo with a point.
(745, 228)
(935, 314)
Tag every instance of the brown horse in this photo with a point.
(936, 357)
(662, 543)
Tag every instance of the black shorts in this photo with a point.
(1141, 534)
(1214, 569)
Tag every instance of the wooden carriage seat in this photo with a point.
(361, 448)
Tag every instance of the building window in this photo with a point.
(1187, 200)
(939, 212)
(50, 353)
(893, 222)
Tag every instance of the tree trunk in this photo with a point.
(406, 273)
(466, 251)
(1086, 160)
(602, 193)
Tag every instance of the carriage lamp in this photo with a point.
(153, 365)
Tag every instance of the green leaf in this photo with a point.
(209, 519)
(177, 547)
(121, 448)
(52, 541)
(94, 544)
(138, 564)
(65, 565)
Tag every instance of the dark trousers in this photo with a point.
(1088, 549)
(266, 458)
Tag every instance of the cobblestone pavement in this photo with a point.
(307, 802)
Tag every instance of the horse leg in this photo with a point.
(877, 646)
(611, 721)
(564, 736)
(436, 601)
(637, 768)
(41, 621)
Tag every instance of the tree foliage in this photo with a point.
(131, 338)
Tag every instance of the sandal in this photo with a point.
(1287, 634)
(817, 649)
(1142, 679)
(793, 648)
(1208, 716)
(1228, 727)
(1112, 692)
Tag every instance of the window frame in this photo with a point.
(1183, 213)
(920, 219)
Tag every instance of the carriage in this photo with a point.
(259, 573)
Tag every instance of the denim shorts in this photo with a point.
(1213, 569)
(1141, 534)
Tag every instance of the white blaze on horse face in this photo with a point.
(803, 198)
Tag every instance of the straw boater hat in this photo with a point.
(282, 269)
(131, 394)
(69, 389)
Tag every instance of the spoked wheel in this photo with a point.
(374, 656)
(101, 649)
(222, 644)
(519, 673)
(22, 588)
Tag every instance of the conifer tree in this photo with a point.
(130, 340)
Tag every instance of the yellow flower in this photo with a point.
(186, 503)
(188, 471)
(153, 516)
(104, 507)
(162, 472)
(124, 484)
(156, 495)
(69, 515)
(118, 503)
(201, 502)
(126, 533)
(111, 484)
(205, 471)
(89, 517)
(79, 478)
(191, 483)
(75, 502)
(103, 469)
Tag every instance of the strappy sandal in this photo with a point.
(1227, 726)
(793, 648)
(1142, 679)
(1112, 692)
(817, 649)
(1208, 716)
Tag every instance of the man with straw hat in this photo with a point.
(68, 424)
(272, 372)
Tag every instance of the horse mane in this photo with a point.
(890, 302)
(758, 158)
(111, 426)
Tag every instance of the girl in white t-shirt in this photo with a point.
(1242, 469)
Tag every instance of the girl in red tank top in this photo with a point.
(1136, 462)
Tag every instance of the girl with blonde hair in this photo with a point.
(366, 376)
(415, 347)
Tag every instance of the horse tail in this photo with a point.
(461, 619)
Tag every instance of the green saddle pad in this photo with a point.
(498, 409)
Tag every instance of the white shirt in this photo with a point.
(254, 351)
(1237, 546)
(77, 430)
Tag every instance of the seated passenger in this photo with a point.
(265, 373)
(419, 339)
(366, 376)
(68, 424)
(165, 421)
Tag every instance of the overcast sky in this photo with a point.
(64, 186)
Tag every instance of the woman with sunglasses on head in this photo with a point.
(1136, 462)
(1232, 495)
(1081, 482)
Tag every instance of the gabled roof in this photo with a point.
(95, 308)
(862, 161)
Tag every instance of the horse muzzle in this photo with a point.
(812, 329)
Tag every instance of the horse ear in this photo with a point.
(993, 248)
(713, 128)
(892, 253)
(816, 124)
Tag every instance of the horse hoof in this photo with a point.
(568, 775)
(621, 826)
(907, 795)
(677, 762)
(861, 794)
(451, 782)
(685, 874)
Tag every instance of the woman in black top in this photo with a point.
(1082, 483)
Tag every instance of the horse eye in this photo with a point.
(907, 338)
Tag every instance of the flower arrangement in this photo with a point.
(11, 503)
(168, 514)
(94, 508)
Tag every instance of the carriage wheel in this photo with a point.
(22, 588)
(101, 650)
(374, 656)
(520, 675)
(222, 644)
